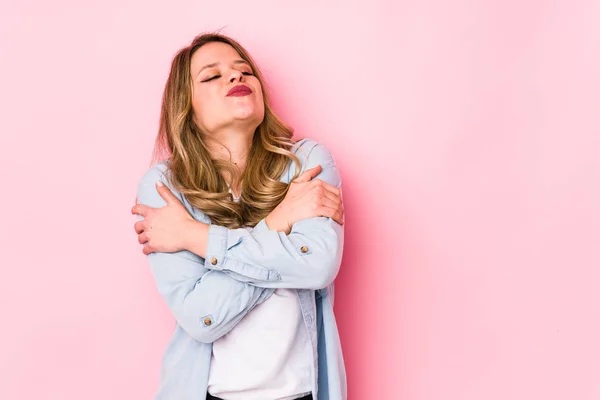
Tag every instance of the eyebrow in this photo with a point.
(215, 64)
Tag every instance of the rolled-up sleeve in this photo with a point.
(309, 257)
(206, 304)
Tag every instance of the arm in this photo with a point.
(206, 304)
(307, 258)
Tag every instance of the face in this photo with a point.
(225, 93)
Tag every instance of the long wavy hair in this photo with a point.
(200, 178)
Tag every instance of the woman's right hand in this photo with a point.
(307, 198)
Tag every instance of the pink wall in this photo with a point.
(467, 134)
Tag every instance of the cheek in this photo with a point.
(201, 106)
(261, 103)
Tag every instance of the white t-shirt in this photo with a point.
(266, 356)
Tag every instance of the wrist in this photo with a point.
(196, 237)
(276, 224)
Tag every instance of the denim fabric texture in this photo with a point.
(242, 268)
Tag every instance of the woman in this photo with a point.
(243, 231)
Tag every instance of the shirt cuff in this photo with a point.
(220, 240)
(216, 246)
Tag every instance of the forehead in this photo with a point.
(214, 52)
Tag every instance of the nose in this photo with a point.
(235, 76)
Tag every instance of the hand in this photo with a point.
(163, 229)
(307, 198)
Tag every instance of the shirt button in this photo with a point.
(304, 249)
(309, 319)
(207, 321)
(213, 261)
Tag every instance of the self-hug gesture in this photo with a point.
(172, 228)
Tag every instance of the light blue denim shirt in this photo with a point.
(243, 267)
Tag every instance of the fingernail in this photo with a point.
(159, 183)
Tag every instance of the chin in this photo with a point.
(248, 113)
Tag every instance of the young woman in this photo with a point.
(243, 231)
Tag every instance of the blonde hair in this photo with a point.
(198, 177)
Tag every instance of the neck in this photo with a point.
(231, 145)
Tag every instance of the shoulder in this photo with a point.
(308, 150)
(147, 192)
(157, 172)
(312, 153)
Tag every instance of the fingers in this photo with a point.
(165, 193)
(328, 187)
(332, 197)
(141, 230)
(140, 209)
(328, 200)
(338, 217)
(335, 209)
(309, 174)
(143, 238)
(337, 192)
(332, 203)
(147, 249)
(323, 189)
(335, 214)
(140, 226)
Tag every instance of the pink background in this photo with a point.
(467, 134)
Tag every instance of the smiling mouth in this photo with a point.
(239, 90)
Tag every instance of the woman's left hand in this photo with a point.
(163, 229)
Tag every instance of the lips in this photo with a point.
(239, 90)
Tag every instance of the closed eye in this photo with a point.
(218, 76)
(210, 79)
